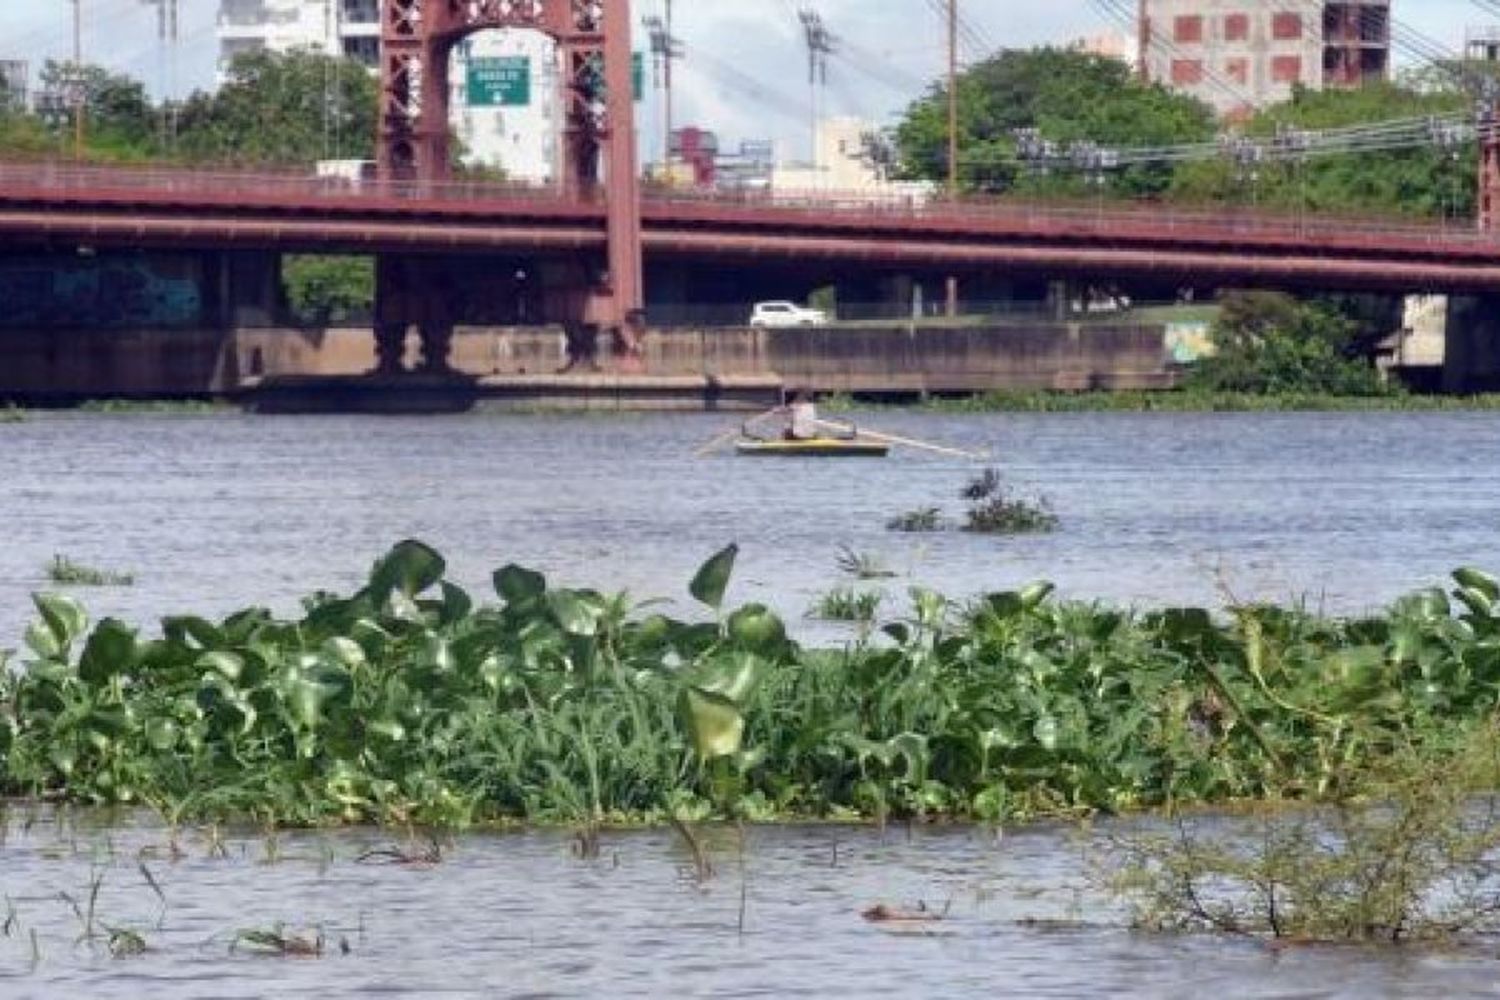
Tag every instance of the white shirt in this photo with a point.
(804, 421)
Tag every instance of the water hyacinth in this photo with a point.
(412, 702)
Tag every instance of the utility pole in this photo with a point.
(820, 45)
(952, 305)
(666, 50)
(79, 89)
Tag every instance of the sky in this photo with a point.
(744, 74)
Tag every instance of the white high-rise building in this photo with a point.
(503, 104)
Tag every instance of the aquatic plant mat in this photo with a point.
(409, 702)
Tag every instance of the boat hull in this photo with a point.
(814, 448)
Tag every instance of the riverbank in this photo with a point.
(412, 701)
(1177, 401)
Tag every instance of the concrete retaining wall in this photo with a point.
(84, 364)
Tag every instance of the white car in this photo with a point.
(786, 314)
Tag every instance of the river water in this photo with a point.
(214, 512)
(522, 916)
(211, 513)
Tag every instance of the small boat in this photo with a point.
(829, 447)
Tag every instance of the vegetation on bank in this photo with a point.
(410, 702)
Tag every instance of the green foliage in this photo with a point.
(1068, 96)
(65, 572)
(271, 109)
(324, 290)
(921, 519)
(995, 510)
(1425, 181)
(412, 702)
(845, 604)
(121, 123)
(1270, 343)
(1404, 852)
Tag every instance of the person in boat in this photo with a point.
(801, 417)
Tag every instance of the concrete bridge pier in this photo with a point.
(1471, 362)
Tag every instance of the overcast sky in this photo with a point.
(745, 71)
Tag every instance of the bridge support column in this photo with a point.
(1471, 359)
(411, 292)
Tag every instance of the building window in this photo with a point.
(1237, 70)
(1286, 27)
(1186, 72)
(1237, 28)
(1286, 69)
(1188, 29)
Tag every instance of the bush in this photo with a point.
(1269, 343)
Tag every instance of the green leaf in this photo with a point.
(64, 618)
(110, 650)
(731, 678)
(712, 578)
(517, 585)
(757, 629)
(575, 614)
(409, 568)
(1032, 596)
(1046, 732)
(226, 665)
(1474, 579)
(714, 723)
(43, 641)
(162, 734)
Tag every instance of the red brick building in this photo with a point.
(1241, 54)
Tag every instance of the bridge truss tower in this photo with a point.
(598, 156)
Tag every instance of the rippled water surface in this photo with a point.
(519, 915)
(215, 512)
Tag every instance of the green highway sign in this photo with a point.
(638, 74)
(500, 81)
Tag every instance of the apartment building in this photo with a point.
(1240, 55)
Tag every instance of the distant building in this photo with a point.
(1483, 44)
(14, 83)
(848, 155)
(1110, 45)
(504, 84)
(1240, 55)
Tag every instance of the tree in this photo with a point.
(328, 289)
(1067, 96)
(1271, 343)
(1427, 180)
(121, 122)
(283, 109)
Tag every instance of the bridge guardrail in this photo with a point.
(20, 180)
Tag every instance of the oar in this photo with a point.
(912, 443)
(728, 436)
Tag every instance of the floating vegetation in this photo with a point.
(422, 857)
(10, 413)
(125, 943)
(862, 565)
(918, 520)
(844, 604)
(1403, 852)
(995, 510)
(278, 942)
(416, 704)
(153, 406)
(66, 573)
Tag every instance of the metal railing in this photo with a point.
(46, 179)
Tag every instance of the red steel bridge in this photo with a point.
(592, 233)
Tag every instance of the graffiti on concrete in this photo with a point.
(98, 293)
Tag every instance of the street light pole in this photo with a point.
(80, 89)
